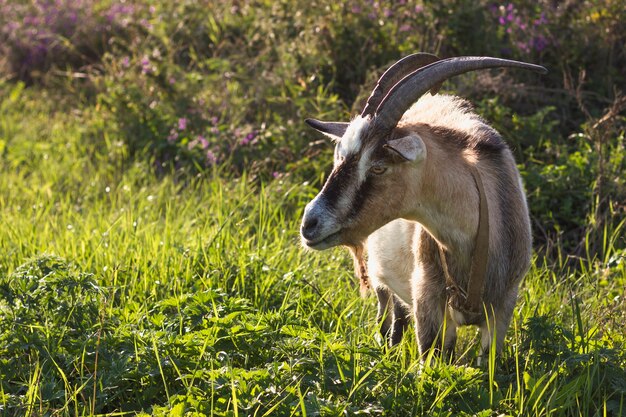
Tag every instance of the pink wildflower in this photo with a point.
(210, 157)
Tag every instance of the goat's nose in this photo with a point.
(309, 224)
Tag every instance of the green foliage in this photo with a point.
(227, 83)
(153, 171)
(193, 298)
(44, 37)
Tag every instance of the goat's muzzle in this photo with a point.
(319, 229)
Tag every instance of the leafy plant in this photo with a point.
(187, 293)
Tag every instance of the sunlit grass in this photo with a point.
(163, 294)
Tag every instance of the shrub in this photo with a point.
(200, 86)
(197, 85)
(49, 311)
(56, 34)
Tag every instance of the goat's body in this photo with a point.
(435, 194)
(404, 256)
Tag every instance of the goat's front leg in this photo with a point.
(497, 321)
(393, 315)
(430, 312)
(384, 315)
(401, 318)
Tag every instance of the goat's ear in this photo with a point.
(334, 130)
(410, 148)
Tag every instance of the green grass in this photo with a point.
(125, 292)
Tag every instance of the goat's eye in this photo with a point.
(378, 170)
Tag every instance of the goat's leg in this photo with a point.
(401, 318)
(429, 313)
(393, 316)
(497, 320)
(449, 335)
(385, 311)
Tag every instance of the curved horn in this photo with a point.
(332, 129)
(413, 86)
(395, 73)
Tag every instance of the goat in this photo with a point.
(433, 195)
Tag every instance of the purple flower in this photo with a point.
(203, 142)
(419, 8)
(405, 28)
(211, 158)
(540, 43)
(541, 21)
(172, 136)
(182, 123)
(356, 9)
(275, 174)
(146, 24)
(120, 14)
(214, 120)
(523, 46)
(388, 13)
(172, 80)
(199, 140)
(249, 138)
(146, 68)
(126, 62)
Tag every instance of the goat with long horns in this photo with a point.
(433, 194)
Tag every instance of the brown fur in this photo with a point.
(436, 202)
(454, 197)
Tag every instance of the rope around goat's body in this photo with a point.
(470, 301)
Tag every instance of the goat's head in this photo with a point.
(366, 189)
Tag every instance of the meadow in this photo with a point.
(154, 167)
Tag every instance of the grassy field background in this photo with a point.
(154, 169)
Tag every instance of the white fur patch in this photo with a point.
(391, 260)
(351, 141)
(351, 144)
(447, 111)
(364, 164)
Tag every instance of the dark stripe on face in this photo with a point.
(340, 180)
(362, 195)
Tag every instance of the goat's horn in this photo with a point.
(395, 73)
(336, 129)
(413, 86)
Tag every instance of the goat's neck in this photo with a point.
(448, 203)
